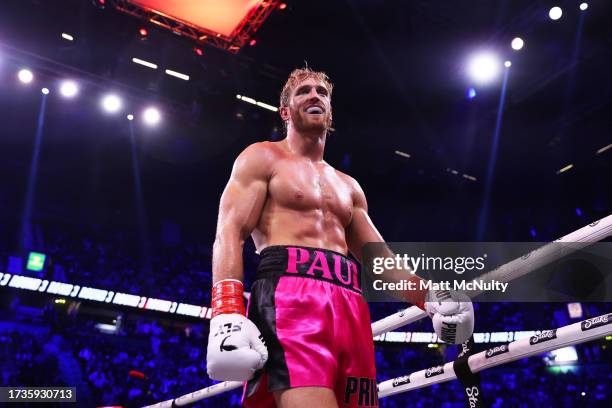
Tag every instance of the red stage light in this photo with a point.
(198, 51)
(252, 42)
(282, 6)
(143, 32)
(232, 22)
(102, 2)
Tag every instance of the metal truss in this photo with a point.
(232, 43)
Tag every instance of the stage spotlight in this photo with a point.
(45, 91)
(177, 75)
(483, 68)
(471, 93)
(111, 103)
(252, 42)
(584, 6)
(143, 33)
(151, 116)
(25, 75)
(282, 6)
(130, 117)
(555, 13)
(69, 89)
(517, 43)
(507, 64)
(144, 63)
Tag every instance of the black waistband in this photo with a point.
(314, 263)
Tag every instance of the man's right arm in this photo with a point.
(235, 345)
(241, 205)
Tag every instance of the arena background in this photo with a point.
(128, 207)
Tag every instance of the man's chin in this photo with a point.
(313, 127)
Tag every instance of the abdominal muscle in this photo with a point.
(311, 228)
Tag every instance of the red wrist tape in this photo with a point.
(227, 297)
(416, 296)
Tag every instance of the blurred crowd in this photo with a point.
(149, 360)
(116, 260)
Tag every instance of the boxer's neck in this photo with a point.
(311, 146)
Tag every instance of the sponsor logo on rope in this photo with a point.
(594, 223)
(433, 371)
(495, 351)
(546, 335)
(595, 322)
(472, 394)
(465, 349)
(405, 379)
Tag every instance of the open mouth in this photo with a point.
(315, 110)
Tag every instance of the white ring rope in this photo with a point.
(516, 268)
(576, 333)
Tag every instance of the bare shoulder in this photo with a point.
(265, 151)
(256, 159)
(348, 180)
(356, 190)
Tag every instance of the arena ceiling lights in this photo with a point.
(226, 24)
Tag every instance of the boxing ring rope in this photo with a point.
(514, 269)
(576, 333)
(547, 340)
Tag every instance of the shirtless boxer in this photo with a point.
(304, 217)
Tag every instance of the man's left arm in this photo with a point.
(452, 313)
(361, 231)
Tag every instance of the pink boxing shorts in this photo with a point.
(308, 305)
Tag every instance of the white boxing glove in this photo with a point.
(452, 314)
(235, 348)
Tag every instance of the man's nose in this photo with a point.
(313, 94)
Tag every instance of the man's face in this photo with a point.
(309, 106)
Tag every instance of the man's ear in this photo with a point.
(284, 113)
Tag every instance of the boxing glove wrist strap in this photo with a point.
(227, 297)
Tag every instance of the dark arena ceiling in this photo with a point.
(400, 85)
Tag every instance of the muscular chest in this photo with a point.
(305, 186)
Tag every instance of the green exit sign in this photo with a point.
(36, 261)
